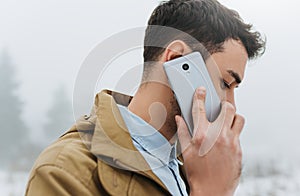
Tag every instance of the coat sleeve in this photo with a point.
(53, 180)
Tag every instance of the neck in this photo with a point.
(154, 103)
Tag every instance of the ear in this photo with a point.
(176, 49)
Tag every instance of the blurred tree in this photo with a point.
(14, 132)
(59, 116)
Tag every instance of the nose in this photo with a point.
(230, 97)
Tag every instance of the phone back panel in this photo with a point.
(184, 82)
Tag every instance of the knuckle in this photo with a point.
(237, 148)
(229, 107)
(239, 123)
(240, 154)
(241, 119)
(202, 109)
(195, 109)
(235, 144)
(222, 140)
(198, 106)
(199, 139)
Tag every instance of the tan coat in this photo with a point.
(95, 157)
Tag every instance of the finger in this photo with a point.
(238, 124)
(198, 109)
(226, 117)
(183, 133)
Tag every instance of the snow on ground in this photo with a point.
(14, 184)
(279, 185)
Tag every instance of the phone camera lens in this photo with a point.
(185, 67)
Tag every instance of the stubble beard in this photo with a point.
(174, 110)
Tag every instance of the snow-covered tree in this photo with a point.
(14, 132)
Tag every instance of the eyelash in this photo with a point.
(226, 85)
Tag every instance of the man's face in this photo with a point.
(231, 63)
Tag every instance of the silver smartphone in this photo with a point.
(185, 75)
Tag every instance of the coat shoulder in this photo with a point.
(68, 156)
(68, 152)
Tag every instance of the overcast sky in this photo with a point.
(49, 40)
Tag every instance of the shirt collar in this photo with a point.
(148, 137)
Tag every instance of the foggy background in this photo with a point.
(42, 46)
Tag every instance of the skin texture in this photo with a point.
(218, 171)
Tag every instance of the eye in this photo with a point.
(224, 84)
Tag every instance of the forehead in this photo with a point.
(234, 57)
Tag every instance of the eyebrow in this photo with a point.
(235, 76)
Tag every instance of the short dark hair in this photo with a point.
(208, 21)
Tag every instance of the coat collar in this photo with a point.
(107, 137)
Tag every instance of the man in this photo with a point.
(127, 146)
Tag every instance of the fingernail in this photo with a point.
(201, 92)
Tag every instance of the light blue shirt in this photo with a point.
(157, 151)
